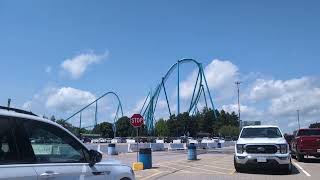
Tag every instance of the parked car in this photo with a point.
(306, 143)
(23, 158)
(116, 140)
(108, 140)
(262, 147)
(86, 140)
(95, 141)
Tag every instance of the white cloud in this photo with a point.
(138, 106)
(247, 113)
(266, 89)
(67, 99)
(306, 100)
(27, 105)
(220, 76)
(77, 65)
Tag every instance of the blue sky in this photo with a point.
(135, 42)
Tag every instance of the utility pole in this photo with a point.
(298, 115)
(238, 90)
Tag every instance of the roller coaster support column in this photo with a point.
(205, 80)
(95, 114)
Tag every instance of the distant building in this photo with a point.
(251, 123)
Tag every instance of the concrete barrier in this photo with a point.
(133, 147)
(157, 146)
(177, 146)
(229, 143)
(212, 145)
(201, 145)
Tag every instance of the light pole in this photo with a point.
(239, 115)
(298, 115)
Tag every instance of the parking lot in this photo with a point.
(217, 164)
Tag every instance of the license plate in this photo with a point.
(261, 159)
(318, 150)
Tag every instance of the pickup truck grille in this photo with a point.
(261, 149)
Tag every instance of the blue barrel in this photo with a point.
(219, 145)
(112, 149)
(145, 157)
(192, 152)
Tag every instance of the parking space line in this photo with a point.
(214, 166)
(170, 167)
(192, 167)
(304, 171)
(223, 164)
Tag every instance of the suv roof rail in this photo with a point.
(18, 110)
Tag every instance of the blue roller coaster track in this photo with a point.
(119, 111)
(200, 88)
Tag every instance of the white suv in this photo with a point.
(34, 148)
(262, 147)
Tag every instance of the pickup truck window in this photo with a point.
(309, 132)
(269, 132)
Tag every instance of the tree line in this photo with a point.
(204, 122)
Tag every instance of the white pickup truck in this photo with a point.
(262, 147)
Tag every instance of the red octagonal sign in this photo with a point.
(136, 120)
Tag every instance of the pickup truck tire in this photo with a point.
(288, 168)
(239, 168)
(300, 157)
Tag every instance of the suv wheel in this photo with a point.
(300, 157)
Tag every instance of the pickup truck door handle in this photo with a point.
(49, 173)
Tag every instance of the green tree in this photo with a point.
(315, 125)
(161, 128)
(229, 130)
(105, 129)
(124, 128)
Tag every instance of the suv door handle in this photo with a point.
(49, 173)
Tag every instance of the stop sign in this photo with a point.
(136, 120)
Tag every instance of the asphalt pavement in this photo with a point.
(213, 164)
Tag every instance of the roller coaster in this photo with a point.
(118, 114)
(200, 88)
(150, 103)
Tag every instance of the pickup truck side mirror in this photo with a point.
(95, 157)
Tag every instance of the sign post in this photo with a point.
(136, 121)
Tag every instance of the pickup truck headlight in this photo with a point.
(283, 148)
(240, 148)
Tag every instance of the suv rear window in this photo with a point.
(309, 132)
(268, 132)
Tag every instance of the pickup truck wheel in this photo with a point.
(288, 168)
(300, 157)
(237, 166)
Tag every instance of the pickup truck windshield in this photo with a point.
(269, 132)
(309, 132)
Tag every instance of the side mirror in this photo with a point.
(95, 157)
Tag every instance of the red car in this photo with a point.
(306, 143)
